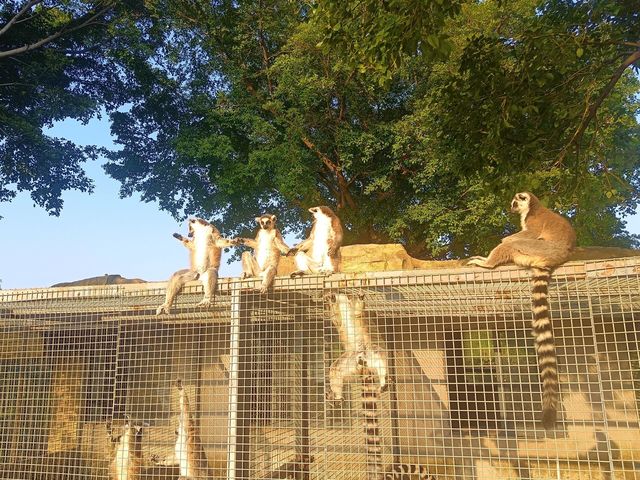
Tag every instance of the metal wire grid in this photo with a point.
(614, 294)
(463, 400)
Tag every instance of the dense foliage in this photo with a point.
(419, 134)
(375, 37)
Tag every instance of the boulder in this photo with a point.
(371, 257)
(393, 256)
(602, 253)
(390, 256)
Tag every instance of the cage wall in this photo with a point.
(351, 376)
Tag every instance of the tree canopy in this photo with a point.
(418, 134)
(59, 59)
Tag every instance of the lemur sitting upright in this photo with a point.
(126, 452)
(267, 248)
(320, 253)
(189, 454)
(205, 247)
(545, 242)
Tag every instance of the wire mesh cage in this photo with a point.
(407, 374)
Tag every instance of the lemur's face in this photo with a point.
(520, 202)
(321, 211)
(266, 222)
(317, 212)
(198, 226)
(136, 431)
(130, 431)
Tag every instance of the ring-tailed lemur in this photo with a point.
(320, 253)
(267, 248)
(189, 454)
(126, 452)
(205, 248)
(347, 315)
(545, 242)
(365, 360)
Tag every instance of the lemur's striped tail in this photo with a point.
(542, 330)
(373, 442)
(406, 471)
(370, 396)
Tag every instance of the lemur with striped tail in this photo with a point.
(320, 253)
(267, 248)
(364, 360)
(205, 246)
(545, 242)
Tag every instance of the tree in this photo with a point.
(60, 60)
(208, 143)
(609, 31)
(262, 119)
(519, 110)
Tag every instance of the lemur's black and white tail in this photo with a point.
(371, 423)
(542, 330)
(370, 398)
(407, 471)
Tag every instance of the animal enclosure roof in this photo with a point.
(460, 293)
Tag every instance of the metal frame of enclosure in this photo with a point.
(463, 400)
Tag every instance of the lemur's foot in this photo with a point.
(477, 261)
(163, 309)
(204, 303)
(326, 272)
(331, 396)
(385, 382)
(297, 273)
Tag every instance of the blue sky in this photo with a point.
(96, 233)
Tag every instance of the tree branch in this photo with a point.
(591, 111)
(14, 84)
(22, 11)
(88, 19)
(343, 194)
(343, 186)
(327, 182)
(265, 54)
